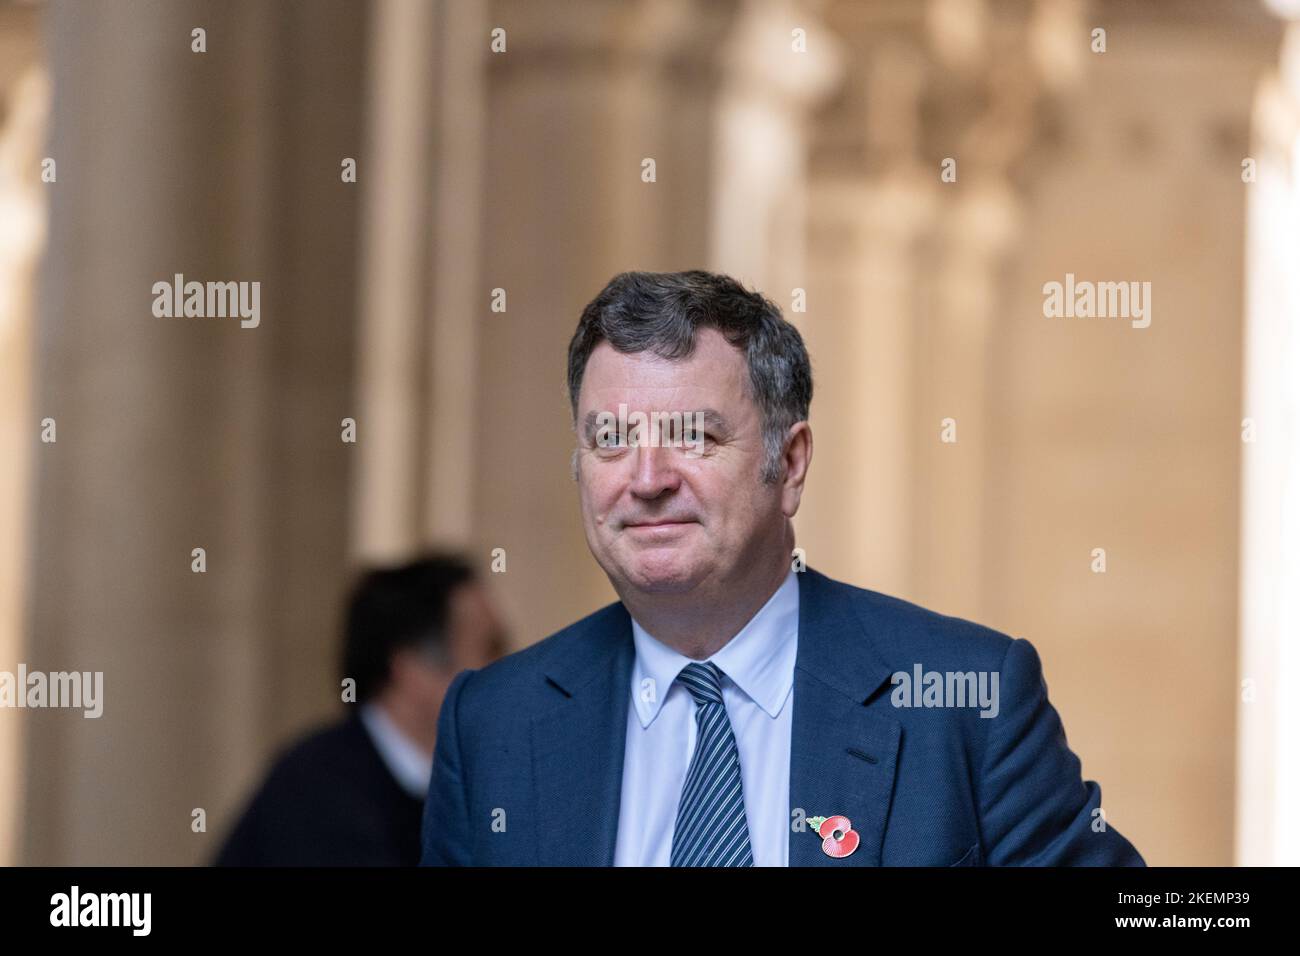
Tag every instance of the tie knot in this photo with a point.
(704, 681)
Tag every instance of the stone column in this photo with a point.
(421, 301)
(863, 277)
(988, 104)
(24, 116)
(176, 434)
(917, 261)
(1268, 711)
(398, 167)
(779, 62)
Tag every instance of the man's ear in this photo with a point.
(795, 461)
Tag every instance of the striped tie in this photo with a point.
(711, 828)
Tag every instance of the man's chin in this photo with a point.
(662, 577)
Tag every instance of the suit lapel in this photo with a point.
(578, 746)
(842, 755)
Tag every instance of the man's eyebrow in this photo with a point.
(714, 419)
(710, 417)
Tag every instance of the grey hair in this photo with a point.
(663, 312)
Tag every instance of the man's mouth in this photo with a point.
(664, 523)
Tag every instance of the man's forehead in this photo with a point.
(715, 369)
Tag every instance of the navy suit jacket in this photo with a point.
(529, 761)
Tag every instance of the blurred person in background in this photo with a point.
(352, 793)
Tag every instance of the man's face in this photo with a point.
(666, 519)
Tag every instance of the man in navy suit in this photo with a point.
(735, 708)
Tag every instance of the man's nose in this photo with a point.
(656, 471)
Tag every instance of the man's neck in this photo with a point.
(414, 727)
(698, 627)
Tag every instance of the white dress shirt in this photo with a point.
(757, 689)
(406, 761)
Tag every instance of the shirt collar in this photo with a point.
(759, 659)
(408, 764)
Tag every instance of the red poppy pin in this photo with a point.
(839, 839)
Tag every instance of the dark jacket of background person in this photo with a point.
(328, 801)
